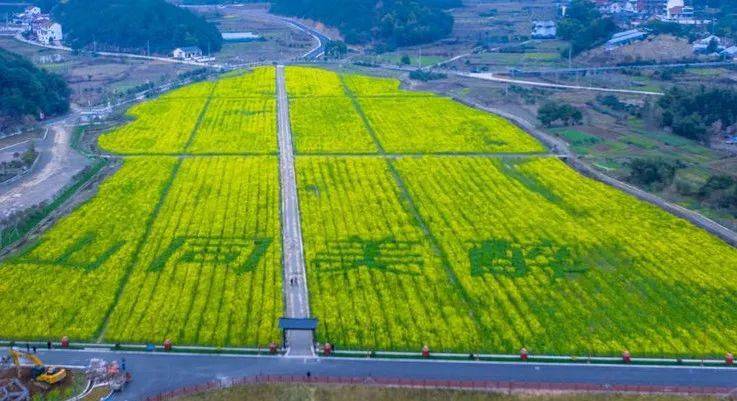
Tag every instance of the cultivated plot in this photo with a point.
(237, 114)
(161, 126)
(365, 86)
(562, 264)
(209, 271)
(312, 82)
(414, 241)
(440, 125)
(328, 125)
(66, 282)
(233, 126)
(260, 82)
(375, 281)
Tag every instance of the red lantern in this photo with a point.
(523, 354)
(65, 342)
(167, 345)
(425, 351)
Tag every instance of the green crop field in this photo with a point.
(424, 222)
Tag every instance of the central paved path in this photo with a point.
(300, 343)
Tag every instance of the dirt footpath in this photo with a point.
(56, 166)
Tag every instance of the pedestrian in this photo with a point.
(48, 344)
(309, 374)
(122, 364)
(28, 348)
(34, 349)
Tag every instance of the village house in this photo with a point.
(48, 32)
(30, 12)
(187, 53)
(701, 46)
(625, 38)
(543, 30)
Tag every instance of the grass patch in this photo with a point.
(576, 137)
(269, 392)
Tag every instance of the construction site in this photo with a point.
(25, 377)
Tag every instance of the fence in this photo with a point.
(497, 386)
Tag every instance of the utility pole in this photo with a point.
(419, 59)
(570, 56)
(148, 48)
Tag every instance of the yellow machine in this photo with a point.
(41, 373)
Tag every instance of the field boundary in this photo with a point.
(472, 385)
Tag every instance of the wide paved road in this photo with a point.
(295, 281)
(157, 373)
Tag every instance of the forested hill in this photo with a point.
(25, 90)
(134, 25)
(389, 22)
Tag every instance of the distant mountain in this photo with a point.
(26, 91)
(390, 23)
(134, 25)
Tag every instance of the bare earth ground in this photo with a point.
(282, 42)
(660, 49)
(56, 166)
(94, 79)
(368, 393)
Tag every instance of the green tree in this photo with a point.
(134, 25)
(653, 174)
(26, 90)
(336, 49)
(584, 27)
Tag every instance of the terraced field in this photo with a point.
(424, 222)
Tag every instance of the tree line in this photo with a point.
(133, 25)
(387, 23)
(698, 114)
(584, 27)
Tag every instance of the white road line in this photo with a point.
(15, 144)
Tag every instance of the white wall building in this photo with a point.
(48, 32)
(187, 53)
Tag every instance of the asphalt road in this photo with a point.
(295, 281)
(322, 40)
(159, 372)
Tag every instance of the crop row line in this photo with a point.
(100, 332)
(410, 206)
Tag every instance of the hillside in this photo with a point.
(389, 23)
(26, 91)
(134, 25)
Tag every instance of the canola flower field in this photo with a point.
(424, 222)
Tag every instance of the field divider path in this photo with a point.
(297, 303)
(409, 205)
(151, 220)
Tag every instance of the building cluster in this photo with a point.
(636, 12)
(632, 16)
(38, 26)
